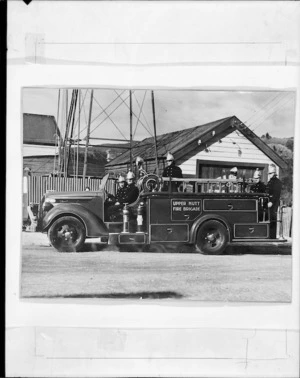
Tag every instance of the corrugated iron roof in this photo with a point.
(178, 142)
(173, 142)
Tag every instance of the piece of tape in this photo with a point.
(34, 48)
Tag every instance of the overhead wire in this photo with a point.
(257, 112)
(110, 119)
(107, 116)
(136, 116)
(101, 113)
(141, 112)
(267, 112)
(263, 112)
(141, 108)
(108, 106)
(274, 111)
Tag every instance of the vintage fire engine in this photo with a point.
(208, 214)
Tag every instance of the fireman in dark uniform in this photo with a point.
(259, 186)
(171, 171)
(119, 199)
(121, 192)
(274, 190)
(132, 191)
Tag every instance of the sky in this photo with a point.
(261, 111)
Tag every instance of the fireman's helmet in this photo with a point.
(130, 175)
(170, 157)
(257, 174)
(121, 179)
(234, 170)
(139, 160)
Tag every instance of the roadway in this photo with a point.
(243, 274)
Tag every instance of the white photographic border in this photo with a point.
(26, 315)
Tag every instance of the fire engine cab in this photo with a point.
(207, 214)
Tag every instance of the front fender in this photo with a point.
(94, 226)
(205, 218)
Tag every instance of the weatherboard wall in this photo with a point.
(228, 151)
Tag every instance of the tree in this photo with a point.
(290, 144)
(268, 136)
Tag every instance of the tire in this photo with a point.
(67, 234)
(212, 238)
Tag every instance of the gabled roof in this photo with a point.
(40, 129)
(166, 142)
(182, 142)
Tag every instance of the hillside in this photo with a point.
(97, 157)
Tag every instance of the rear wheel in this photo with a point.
(212, 238)
(67, 234)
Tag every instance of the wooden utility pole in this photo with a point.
(130, 107)
(154, 126)
(88, 136)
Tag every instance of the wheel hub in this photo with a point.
(211, 238)
(68, 235)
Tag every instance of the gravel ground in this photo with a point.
(112, 274)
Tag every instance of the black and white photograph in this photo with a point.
(157, 194)
(152, 184)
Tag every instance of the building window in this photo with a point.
(210, 169)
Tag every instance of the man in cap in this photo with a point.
(258, 186)
(274, 190)
(171, 170)
(233, 173)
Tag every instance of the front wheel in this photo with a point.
(67, 234)
(212, 238)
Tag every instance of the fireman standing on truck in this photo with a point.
(139, 162)
(132, 191)
(274, 190)
(171, 171)
(233, 173)
(259, 186)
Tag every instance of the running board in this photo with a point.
(127, 238)
(259, 240)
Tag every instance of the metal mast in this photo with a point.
(155, 140)
(78, 133)
(130, 107)
(57, 137)
(88, 136)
